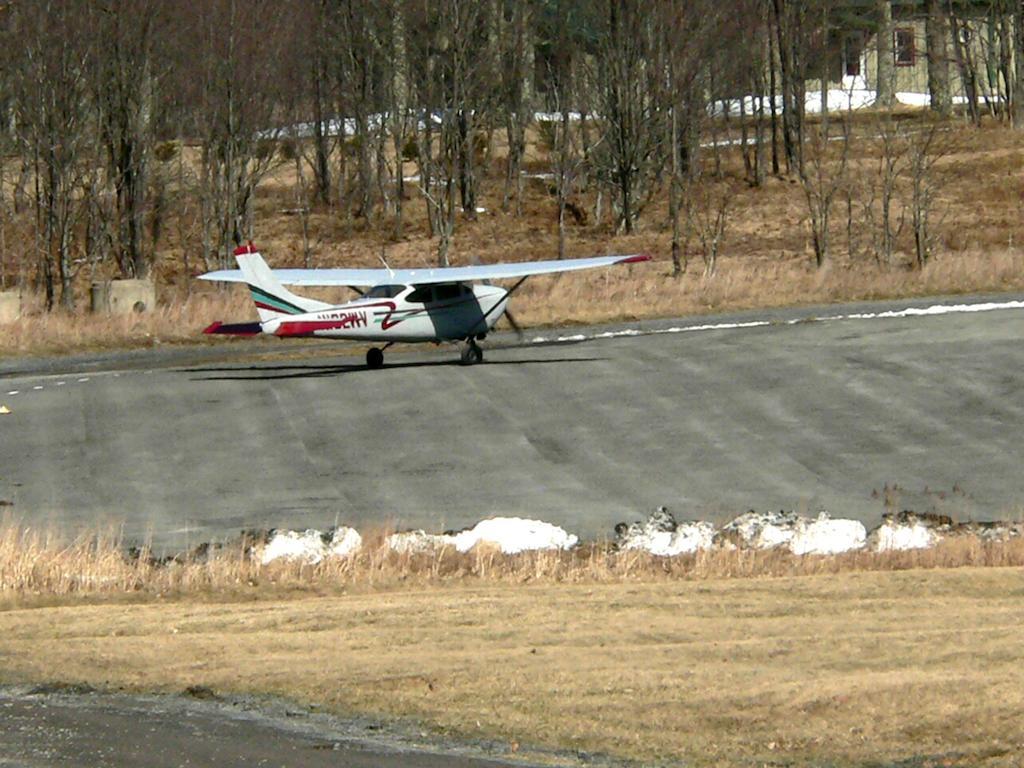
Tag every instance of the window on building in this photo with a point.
(903, 47)
(853, 46)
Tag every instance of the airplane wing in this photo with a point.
(371, 277)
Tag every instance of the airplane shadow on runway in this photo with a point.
(272, 372)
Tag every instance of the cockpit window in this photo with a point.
(384, 291)
(420, 296)
(447, 291)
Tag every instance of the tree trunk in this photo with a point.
(937, 32)
(965, 67)
(773, 96)
(673, 193)
(1018, 65)
(885, 68)
(322, 168)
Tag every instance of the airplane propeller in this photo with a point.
(514, 324)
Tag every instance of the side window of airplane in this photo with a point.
(384, 291)
(447, 291)
(420, 296)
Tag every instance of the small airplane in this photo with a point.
(454, 304)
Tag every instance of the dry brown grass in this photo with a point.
(766, 261)
(37, 563)
(854, 668)
(720, 658)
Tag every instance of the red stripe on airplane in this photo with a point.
(635, 259)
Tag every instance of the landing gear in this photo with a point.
(374, 357)
(472, 354)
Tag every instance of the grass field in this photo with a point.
(721, 658)
(860, 668)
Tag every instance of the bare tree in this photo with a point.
(926, 149)
(399, 104)
(966, 68)
(126, 80)
(892, 166)
(686, 45)
(790, 21)
(52, 107)
(320, 85)
(1018, 65)
(447, 92)
(707, 214)
(632, 153)
(238, 78)
(822, 176)
(516, 60)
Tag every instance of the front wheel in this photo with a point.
(374, 357)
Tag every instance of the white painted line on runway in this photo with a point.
(85, 379)
(13, 392)
(38, 386)
(934, 310)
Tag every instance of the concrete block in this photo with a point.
(120, 297)
(10, 306)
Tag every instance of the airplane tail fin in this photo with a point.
(272, 299)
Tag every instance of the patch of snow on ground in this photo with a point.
(303, 546)
(661, 535)
(762, 530)
(514, 534)
(687, 538)
(346, 541)
(826, 536)
(412, 542)
(892, 536)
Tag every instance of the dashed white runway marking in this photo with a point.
(934, 310)
(41, 387)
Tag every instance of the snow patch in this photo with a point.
(931, 311)
(826, 536)
(515, 534)
(759, 530)
(415, 542)
(511, 534)
(310, 546)
(295, 546)
(800, 535)
(346, 541)
(662, 535)
(892, 536)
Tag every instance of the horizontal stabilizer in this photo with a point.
(235, 329)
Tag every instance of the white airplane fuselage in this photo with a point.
(401, 313)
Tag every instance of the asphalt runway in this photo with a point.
(780, 412)
(84, 731)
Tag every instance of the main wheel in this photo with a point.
(374, 357)
(472, 354)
